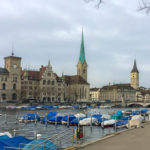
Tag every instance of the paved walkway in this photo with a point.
(136, 139)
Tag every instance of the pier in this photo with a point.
(132, 139)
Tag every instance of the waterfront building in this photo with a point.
(43, 85)
(134, 76)
(10, 78)
(94, 94)
(117, 92)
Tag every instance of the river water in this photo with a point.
(8, 122)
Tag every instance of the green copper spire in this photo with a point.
(82, 53)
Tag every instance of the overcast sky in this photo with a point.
(115, 34)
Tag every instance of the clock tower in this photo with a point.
(134, 76)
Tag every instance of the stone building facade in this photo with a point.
(94, 94)
(118, 91)
(43, 85)
(10, 80)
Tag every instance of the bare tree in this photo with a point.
(98, 2)
(143, 4)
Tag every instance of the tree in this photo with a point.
(143, 4)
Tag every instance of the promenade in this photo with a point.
(133, 139)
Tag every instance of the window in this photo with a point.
(14, 86)
(5, 78)
(49, 74)
(3, 86)
(44, 82)
(48, 82)
(3, 96)
(14, 96)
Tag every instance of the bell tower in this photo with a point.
(134, 76)
(82, 65)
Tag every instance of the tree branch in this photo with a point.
(99, 2)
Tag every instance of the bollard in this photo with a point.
(102, 124)
(46, 121)
(78, 121)
(35, 120)
(67, 120)
(91, 122)
(5, 118)
(16, 119)
(115, 125)
(56, 120)
(14, 132)
(35, 135)
(128, 123)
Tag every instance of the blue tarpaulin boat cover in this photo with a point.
(56, 118)
(71, 117)
(41, 144)
(49, 116)
(4, 137)
(144, 111)
(13, 142)
(76, 120)
(32, 116)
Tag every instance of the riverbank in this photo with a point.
(132, 139)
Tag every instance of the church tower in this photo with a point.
(134, 76)
(82, 65)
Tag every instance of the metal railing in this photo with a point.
(61, 140)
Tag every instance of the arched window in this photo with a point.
(3, 86)
(14, 86)
(14, 96)
(3, 96)
(48, 82)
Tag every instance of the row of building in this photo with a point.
(45, 85)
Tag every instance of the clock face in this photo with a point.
(133, 75)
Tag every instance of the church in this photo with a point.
(76, 86)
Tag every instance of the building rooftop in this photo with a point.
(75, 79)
(118, 86)
(3, 71)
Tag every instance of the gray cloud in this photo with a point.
(115, 34)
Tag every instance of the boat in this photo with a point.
(29, 118)
(67, 119)
(55, 119)
(12, 143)
(121, 124)
(75, 122)
(108, 123)
(88, 121)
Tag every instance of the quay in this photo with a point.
(132, 139)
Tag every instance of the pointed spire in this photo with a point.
(49, 63)
(134, 67)
(12, 53)
(82, 52)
